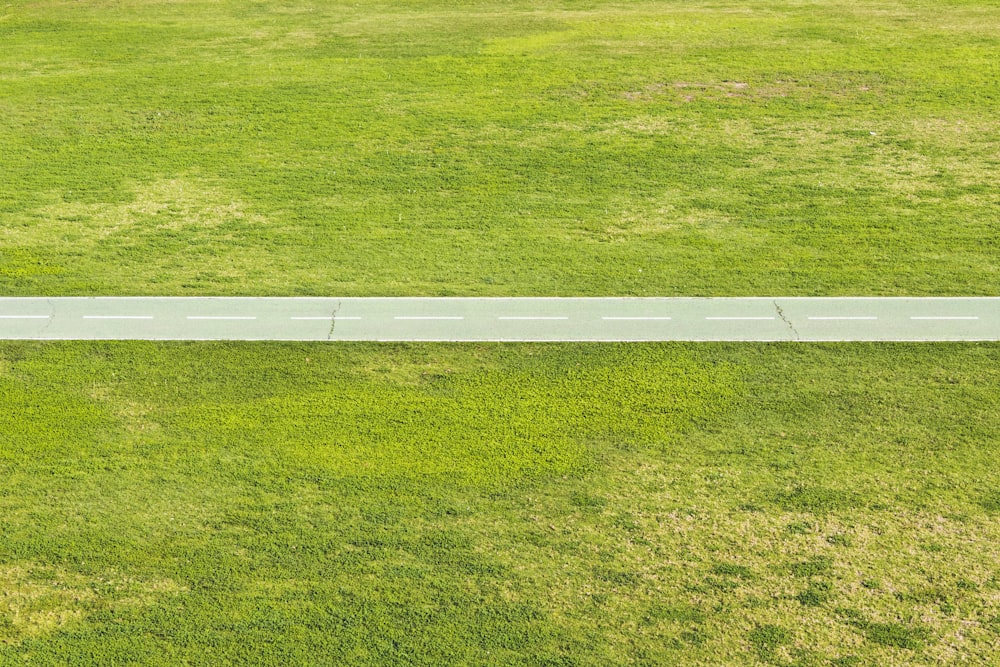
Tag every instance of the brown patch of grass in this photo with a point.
(689, 91)
(37, 600)
(872, 591)
(166, 204)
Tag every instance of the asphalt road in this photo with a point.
(502, 319)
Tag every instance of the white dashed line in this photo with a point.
(501, 319)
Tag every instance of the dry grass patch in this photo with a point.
(173, 204)
(677, 569)
(37, 600)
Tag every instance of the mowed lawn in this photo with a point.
(486, 504)
(383, 504)
(486, 147)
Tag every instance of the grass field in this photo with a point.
(499, 504)
(487, 504)
(500, 147)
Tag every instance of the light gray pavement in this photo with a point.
(502, 319)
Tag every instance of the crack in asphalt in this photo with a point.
(787, 321)
(52, 315)
(333, 322)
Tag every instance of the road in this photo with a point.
(502, 319)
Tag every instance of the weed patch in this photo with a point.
(767, 639)
(817, 593)
(815, 499)
(814, 566)
(991, 502)
(896, 634)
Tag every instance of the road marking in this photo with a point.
(630, 318)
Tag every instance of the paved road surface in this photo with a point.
(501, 319)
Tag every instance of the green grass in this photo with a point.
(500, 147)
(486, 504)
(489, 504)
